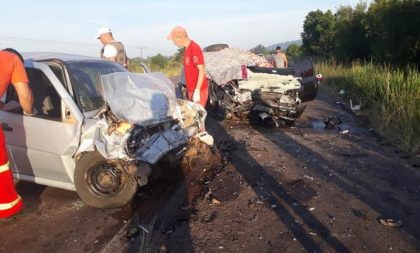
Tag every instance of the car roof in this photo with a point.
(40, 56)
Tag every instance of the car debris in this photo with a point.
(332, 121)
(346, 131)
(308, 177)
(355, 107)
(215, 201)
(390, 222)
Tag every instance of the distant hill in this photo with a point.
(284, 45)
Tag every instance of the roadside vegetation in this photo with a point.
(373, 53)
(169, 65)
(390, 98)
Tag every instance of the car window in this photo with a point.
(47, 102)
(86, 81)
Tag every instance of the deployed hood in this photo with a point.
(141, 99)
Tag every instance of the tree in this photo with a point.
(350, 36)
(317, 35)
(158, 62)
(135, 65)
(294, 51)
(394, 31)
(179, 55)
(260, 49)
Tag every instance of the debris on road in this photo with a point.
(390, 222)
(355, 107)
(332, 121)
(215, 201)
(308, 177)
(360, 213)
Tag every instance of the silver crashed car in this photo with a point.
(100, 130)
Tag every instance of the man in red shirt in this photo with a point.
(195, 74)
(11, 71)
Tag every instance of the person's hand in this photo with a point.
(196, 96)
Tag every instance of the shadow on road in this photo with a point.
(277, 195)
(359, 185)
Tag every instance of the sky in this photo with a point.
(142, 26)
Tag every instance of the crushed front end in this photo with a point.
(142, 123)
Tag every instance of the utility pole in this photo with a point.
(141, 51)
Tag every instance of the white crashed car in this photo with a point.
(244, 86)
(99, 129)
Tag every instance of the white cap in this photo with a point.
(102, 30)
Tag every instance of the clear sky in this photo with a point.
(71, 26)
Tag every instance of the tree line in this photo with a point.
(386, 31)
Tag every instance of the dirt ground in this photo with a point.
(299, 189)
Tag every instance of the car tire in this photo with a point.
(101, 183)
(215, 47)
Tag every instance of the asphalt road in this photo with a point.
(357, 177)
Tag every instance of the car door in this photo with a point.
(305, 69)
(41, 147)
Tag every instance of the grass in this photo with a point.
(390, 98)
(170, 70)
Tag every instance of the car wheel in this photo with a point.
(215, 47)
(101, 183)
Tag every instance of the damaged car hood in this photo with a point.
(141, 99)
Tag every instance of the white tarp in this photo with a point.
(142, 99)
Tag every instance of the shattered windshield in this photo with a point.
(86, 81)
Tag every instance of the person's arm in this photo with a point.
(201, 76)
(286, 62)
(26, 98)
(197, 91)
(20, 81)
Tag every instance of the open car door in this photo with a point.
(41, 147)
(305, 69)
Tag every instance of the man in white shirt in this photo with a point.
(112, 50)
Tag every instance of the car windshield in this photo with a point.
(86, 81)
